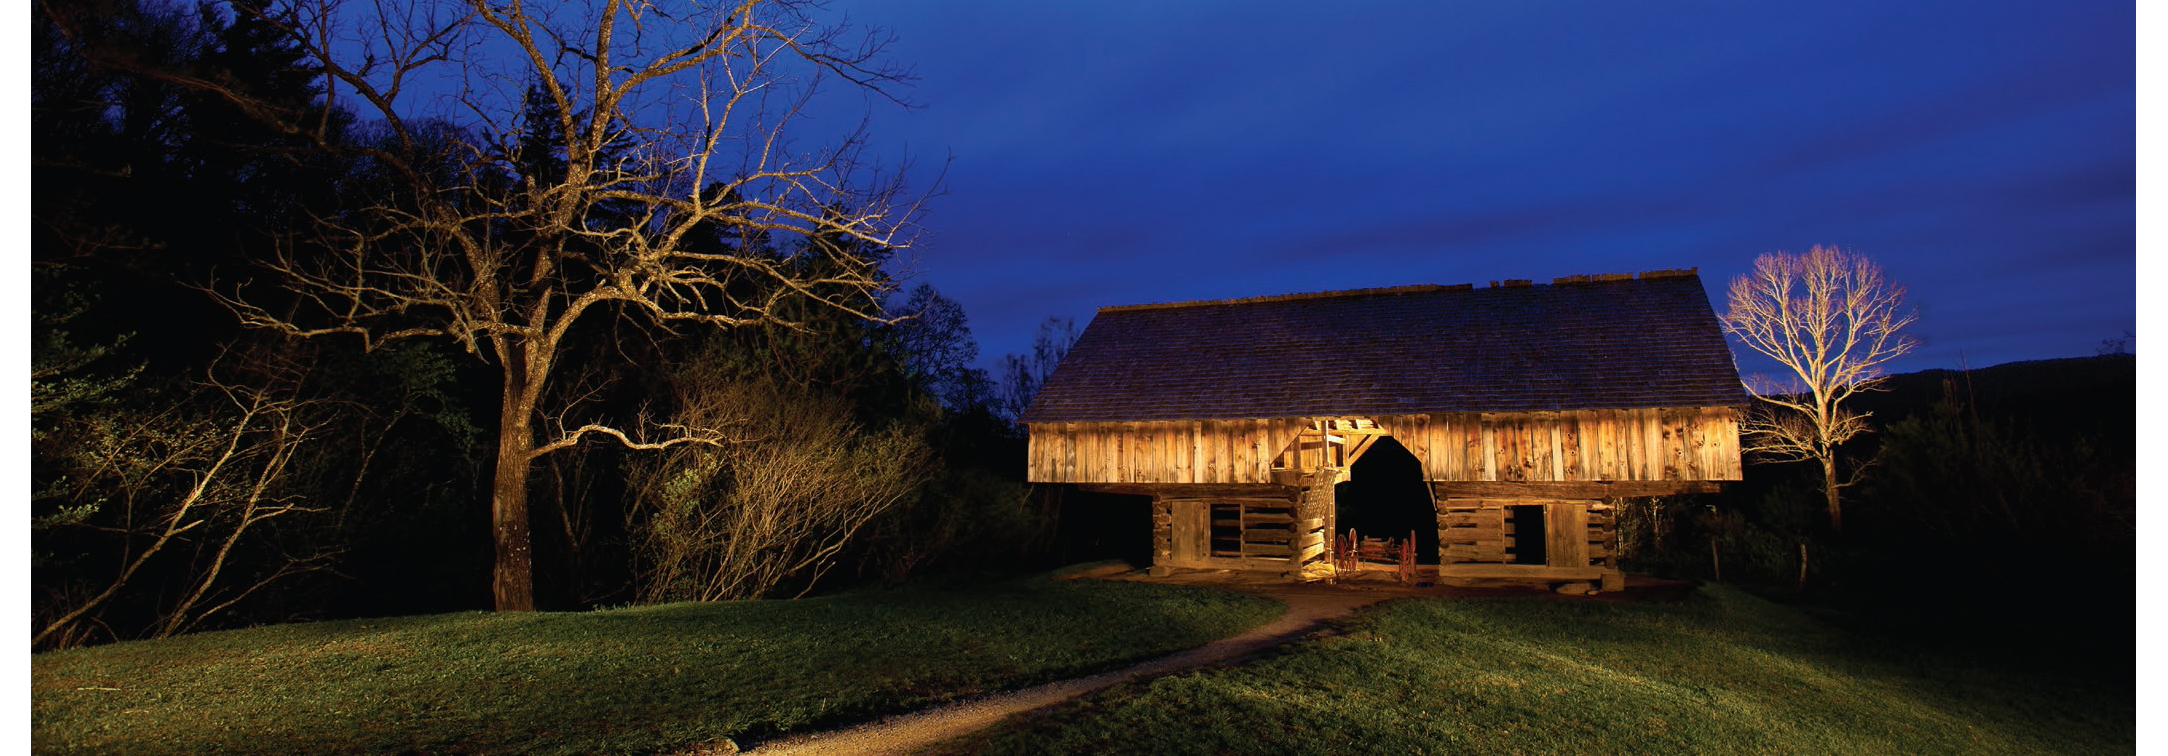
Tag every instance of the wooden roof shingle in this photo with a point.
(1582, 342)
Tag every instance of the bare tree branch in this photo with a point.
(1831, 319)
(177, 476)
(664, 130)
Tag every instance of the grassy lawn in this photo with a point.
(1722, 672)
(619, 681)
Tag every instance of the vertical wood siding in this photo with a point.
(1672, 443)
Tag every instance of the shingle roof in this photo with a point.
(1609, 342)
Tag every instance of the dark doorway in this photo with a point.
(1386, 497)
(1090, 526)
(1529, 537)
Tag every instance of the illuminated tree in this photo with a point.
(177, 487)
(1831, 319)
(661, 126)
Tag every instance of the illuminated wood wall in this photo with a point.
(1657, 444)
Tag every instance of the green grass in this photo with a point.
(636, 680)
(1722, 672)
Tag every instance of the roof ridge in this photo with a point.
(1407, 289)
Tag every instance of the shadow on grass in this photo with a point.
(1719, 672)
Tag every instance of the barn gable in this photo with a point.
(1550, 399)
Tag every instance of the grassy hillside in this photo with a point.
(1723, 672)
(620, 681)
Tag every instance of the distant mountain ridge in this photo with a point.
(2091, 396)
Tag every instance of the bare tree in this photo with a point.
(182, 488)
(934, 341)
(606, 153)
(1023, 375)
(1831, 319)
(733, 522)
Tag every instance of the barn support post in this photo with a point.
(1162, 536)
(1614, 575)
(1311, 537)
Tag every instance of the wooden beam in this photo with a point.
(1194, 490)
(1569, 490)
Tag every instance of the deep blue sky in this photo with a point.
(1114, 152)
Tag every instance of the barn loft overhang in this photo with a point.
(1238, 416)
(1649, 444)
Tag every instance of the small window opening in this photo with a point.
(1526, 523)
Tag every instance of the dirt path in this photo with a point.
(1309, 605)
(1307, 608)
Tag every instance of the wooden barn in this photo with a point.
(1533, 409)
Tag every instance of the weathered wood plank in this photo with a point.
(1109, 453)
(1281, 432)
(1034, 466)
(1572, 490)
(1310, 553)
(1542, 451)
(1085, 438)
(1652, 423)
(1513, 450)
(1221, 451)
(1068, 454)
(1509, 448)
(1606, 447)
(1193, 539)
(1488, 449)
(1121, 440)
(1403, 428)
(1569, 445)
(1080, 440)
(1143, 452)
(1253, 458)
(1151, 465)
(1565, 534)
(1674, 444)
(1200, 443)
(1533, 451)
(1689, 443)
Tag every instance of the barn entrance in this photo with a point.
(1386, 496)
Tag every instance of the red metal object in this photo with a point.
(1352, 552)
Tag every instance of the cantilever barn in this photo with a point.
(1532, 410)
